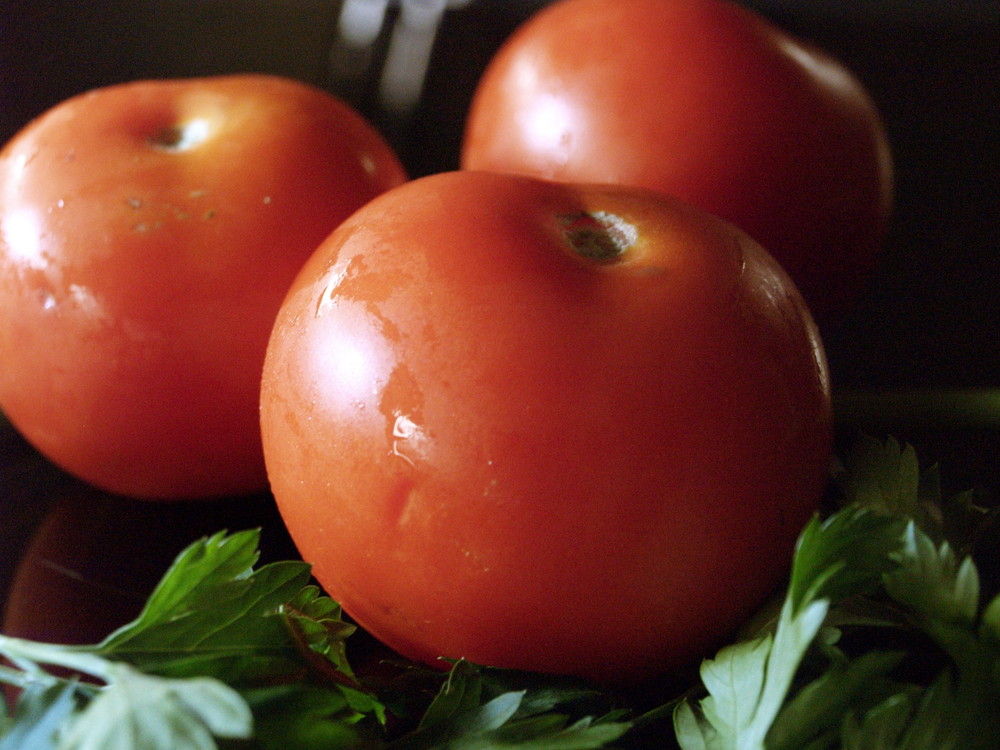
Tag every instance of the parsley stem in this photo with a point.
(16, 677)
(68, 657)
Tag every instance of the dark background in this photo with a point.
(928, 320)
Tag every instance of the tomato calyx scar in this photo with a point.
(182, 137)
(599, 235)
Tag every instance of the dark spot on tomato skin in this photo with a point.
(168, 139)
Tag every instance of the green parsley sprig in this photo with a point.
(883, 640)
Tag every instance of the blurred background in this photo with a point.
(927, 325)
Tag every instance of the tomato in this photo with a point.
(704, 100)
(148, 233)
(565, 428)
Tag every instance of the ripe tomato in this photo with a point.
(148, 233)
(704, 100)
(571, 429)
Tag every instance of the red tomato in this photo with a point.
(148, 233)
(570, 429)
(706, 101)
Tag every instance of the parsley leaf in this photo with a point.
(40, 713)
(157, 713)
(460, 719)
(213, 608)
(186, 671)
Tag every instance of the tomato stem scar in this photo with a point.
(180, 137)
(598, 235)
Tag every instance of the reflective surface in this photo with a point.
(78, 562)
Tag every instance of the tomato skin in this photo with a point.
(148, 233)
(489, 447)
(704, 100)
